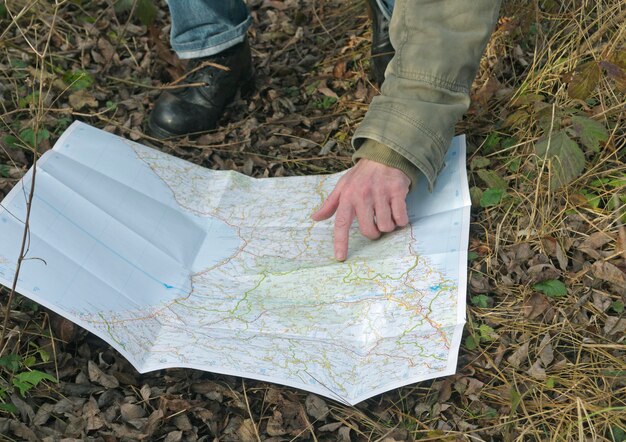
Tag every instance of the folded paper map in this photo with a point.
(176, 265)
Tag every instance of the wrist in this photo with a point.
(378, 152)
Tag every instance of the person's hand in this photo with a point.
(375, 194)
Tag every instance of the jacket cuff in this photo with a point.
(375, 151)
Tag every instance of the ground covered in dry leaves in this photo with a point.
(544, 354)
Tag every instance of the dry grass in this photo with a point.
(540, 368)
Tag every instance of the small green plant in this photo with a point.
(606, 194)
(78, 79)
(26, 380)
(16, 372)
(567, 135)
(481, 301)
(325, 103)
(492, 197)
(27, 138)
(552, 288)
(496, 190)
(31, 100)
(482, 333)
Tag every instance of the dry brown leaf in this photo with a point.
(561, 257)
(601, 301)
(542, 272)
(176, 436)
(43, 414)
(445, 388)
(593, 243)
(212, 390)
(124, 432)
(247, 167)
(479, 284)
(487, 90)
(132, 411)
(247, 431)
(361, 91)
(139, 423)
(523, 251)
(324, 90)
(608, 272)
(339, 70)
(76, 426)
(63, 328)
(555, 249)
(519, 356)
(537, 371)
(145, 393)
(473, 386)
(91, 412)
(26, 410)
(316, 407)
(94, 423)
(23, 432)
(164, 53)
(182, 422)
(344, 434)
(546, 353)
(275, 425)
(99, 377)
(499, 354)
(67, 405)
(273, 396)
(81, 99)
(175, 405)
(536, 305)
(109, 397)
(153, 422)
(107, 50)
(330, 427)
(614, 326)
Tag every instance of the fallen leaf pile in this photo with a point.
(543, 355)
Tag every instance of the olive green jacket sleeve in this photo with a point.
(438, 46)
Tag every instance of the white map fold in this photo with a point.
(176, 265)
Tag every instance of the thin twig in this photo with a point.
(31, 194)
(202, 65)
(120, 36)
(148, 86)
(245, 396)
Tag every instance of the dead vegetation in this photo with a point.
(544, 356)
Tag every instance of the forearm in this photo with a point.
(438, 46)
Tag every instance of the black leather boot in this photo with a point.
(199, 108)
(382, 51)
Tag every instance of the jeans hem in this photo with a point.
(213, 45)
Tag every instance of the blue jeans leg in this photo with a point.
(386, 6)
(207, 27)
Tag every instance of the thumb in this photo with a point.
(328, 208)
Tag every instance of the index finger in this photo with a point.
(343, 220)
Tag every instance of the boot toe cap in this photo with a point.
(173, 117)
